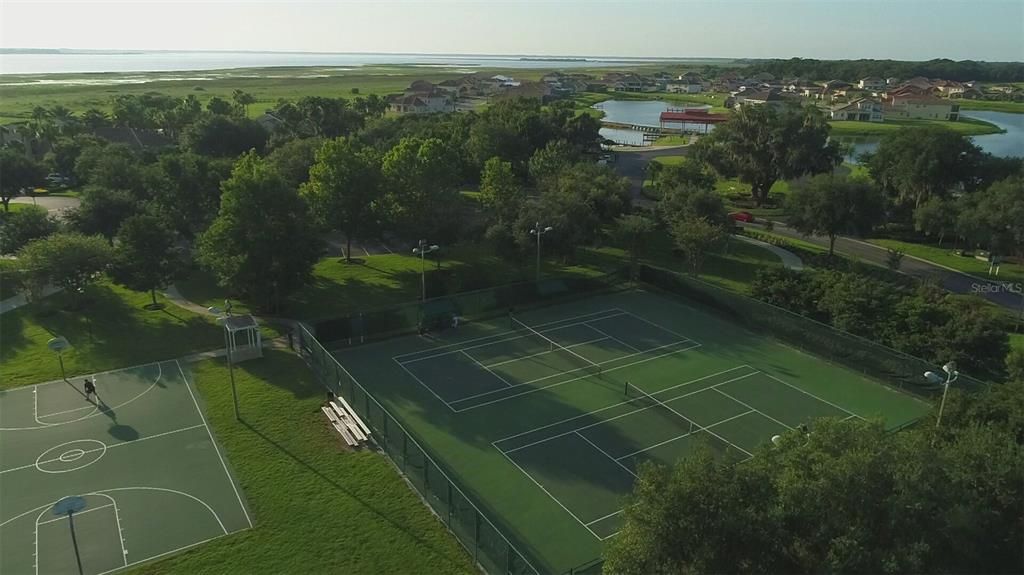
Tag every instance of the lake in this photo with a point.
(169, 61)
(647, 112)
(1007, 144)
(639, 113)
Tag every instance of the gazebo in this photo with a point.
(244, 340)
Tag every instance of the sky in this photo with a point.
(826, 29)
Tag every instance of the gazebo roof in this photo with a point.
(240, 323)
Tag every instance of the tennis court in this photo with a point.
(142, 458)
(547, 414)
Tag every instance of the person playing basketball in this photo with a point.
(90, 389)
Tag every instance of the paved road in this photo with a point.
(55, 205)
(951, 280)
(633, 165)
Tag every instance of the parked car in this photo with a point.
(55, 179)
(745, 217)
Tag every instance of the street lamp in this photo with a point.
(539, 231)
(951, 375)
(223, 316)
(422, 250)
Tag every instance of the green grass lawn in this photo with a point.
(317, 507)
(339, 288)
(946, 257)
(1017, 341)
(673, 140)
(965, 126)
(993, 106)
(112, 330)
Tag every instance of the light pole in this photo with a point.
(422, 250)
(223, 316)
(951, 375)
(539, 231)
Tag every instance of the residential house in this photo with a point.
(950, 88)
(859, 110)
(921, 107)
(688, 83)
(429, 102)
(629, 83)
(135, 138)
(770, 98)
(872, 84)
(533, 90)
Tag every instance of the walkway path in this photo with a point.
(789, 259)
(52, 204)
(1000, 293)
(14, 302)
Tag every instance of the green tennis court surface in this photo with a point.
(143, 458)
(547, 416)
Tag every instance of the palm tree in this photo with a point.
(243, 99)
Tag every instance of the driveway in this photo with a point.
(633, 165)
(952, 280)
(53, 204)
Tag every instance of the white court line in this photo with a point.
(96, 411)
(574, 370)
(812, 395)
(612, 514)
(613, 338)
(605, 453)
(688, 433)
(694, 422)
(647, 321)
(215, 448)
(614, 405)
(424, 384)
(89, 375)
(108, 447)
(485, 368)
(515, 359)
(548, 493)
(64, 517)
(497, 339)
(747, 405)
(613, 312)
(178, 550)
(638, 410)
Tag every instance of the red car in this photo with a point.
(746, 217)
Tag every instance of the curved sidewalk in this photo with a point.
(789, 259)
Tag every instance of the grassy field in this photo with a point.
(1017, 341)
(21, 94)
(317, 507)
(965, 126)
(340, 288)
(993, 106)
(112, 330)
(945, 256)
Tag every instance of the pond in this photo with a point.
(639, 113)
(1007, 144)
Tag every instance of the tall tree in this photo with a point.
(633, 231)
(695, 238)
(761, 146)
(221, 135)
(420, 178)
(17, 171)
(261, 245)
(68, 260)
(20, 227)
(832, 205)
(243, 99)
(102, 211)
(344, 187)
(146, 257)
(935, 218)
(915, 164)
(501, 193)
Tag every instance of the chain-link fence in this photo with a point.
(434, 313)
(473, 529)
(894, 368)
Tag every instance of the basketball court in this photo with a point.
(150, 476)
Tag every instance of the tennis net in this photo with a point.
(553, 345)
